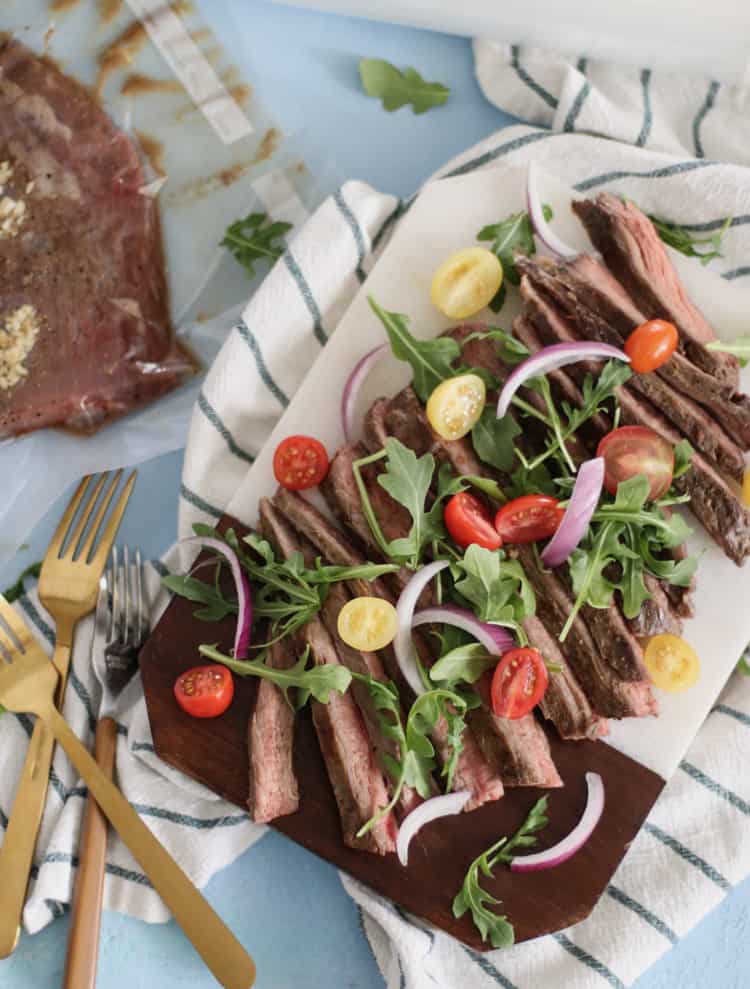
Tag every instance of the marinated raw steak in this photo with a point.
(82, 246)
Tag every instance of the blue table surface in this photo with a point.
(287, 906)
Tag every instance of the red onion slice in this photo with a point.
(354, 382)
(495, 639)
(549, 359)
(536, 214)
(445, 805)
(244, 594)
(403, 645)
(577, 838)
(575, 521)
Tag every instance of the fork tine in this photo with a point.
(114, 617)
(126, 594)
(7, 645)
(61, 531)
(86, 510)
(140, 620)
(100, 513)
(14, 622)
(108, 537)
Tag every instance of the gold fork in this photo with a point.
(68, 587)
(27, 685)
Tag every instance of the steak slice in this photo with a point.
(563, 703)
(555, 281)
(518, 750)
(658, 614)
(87, 256)
(356, 779)
(274, 791)
(636, 256)
(713, 502)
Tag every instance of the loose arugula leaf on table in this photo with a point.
(496, 587)
(740, 347)
(15, 591)
(316, 681)
(492, 439)
(495, 927)
(385, 82)
(686, 243)
(514, 233)
(430, 360)
(254, 238)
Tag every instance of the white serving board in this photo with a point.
(446, 217)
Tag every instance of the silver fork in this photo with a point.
(121, 626)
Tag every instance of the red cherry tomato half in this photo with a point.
(518, 683)
(528, 518)
(300, 462)
(632, 450)
(469, 522)
(205, 691)
(651, 344)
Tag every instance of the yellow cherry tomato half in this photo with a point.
(746, 487)
(368, 623)
(467, 282)
(672, 663)
(456, 405)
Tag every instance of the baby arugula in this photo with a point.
(682, 240)
(385, 82)
(493, 926)
(740, 347)
(514, 233)
(254, 238)
(496, 588)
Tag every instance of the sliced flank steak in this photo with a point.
(636, 256)
(713, 502)
(274, 791)
(355, 777)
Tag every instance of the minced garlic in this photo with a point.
(17, 338)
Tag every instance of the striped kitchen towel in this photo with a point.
(679, 867)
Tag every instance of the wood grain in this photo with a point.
(215, 753)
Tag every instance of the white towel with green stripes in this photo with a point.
(696, 844)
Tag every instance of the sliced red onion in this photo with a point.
(536, 214)
(445, 805)
(577, 838)
(354, 382)
(244, 594)
(549, 359)
(495, 638)
(403, 645)
(575, 521)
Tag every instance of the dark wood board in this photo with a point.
(215, 753)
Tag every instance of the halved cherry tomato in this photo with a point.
(672, 663)
(469, 522)
(746, 487)
(368, 623)
(518, 683)
(456, 405)
(528, 518)
(651, 344)
(466, 282)
(205, 691)
(632, 450)
(300, 462)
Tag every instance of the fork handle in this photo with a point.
(220, 950)
(17, 847)
(83, 940)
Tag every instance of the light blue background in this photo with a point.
(285, 905)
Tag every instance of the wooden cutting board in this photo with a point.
(215, 753)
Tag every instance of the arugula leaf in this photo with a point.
(254, 238)
(430, 360)
(531, 480)
(15, 591)
(216, 606)
(740, 347)
(463, 664)
(407, 479)
(496, 587)
(683, 457)
(396, 89)
(487, 486)
(493, 926)
(510, 351)
(743, 667)
(317, 681)
(492, 439)
(514, 233)
(683, 241)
